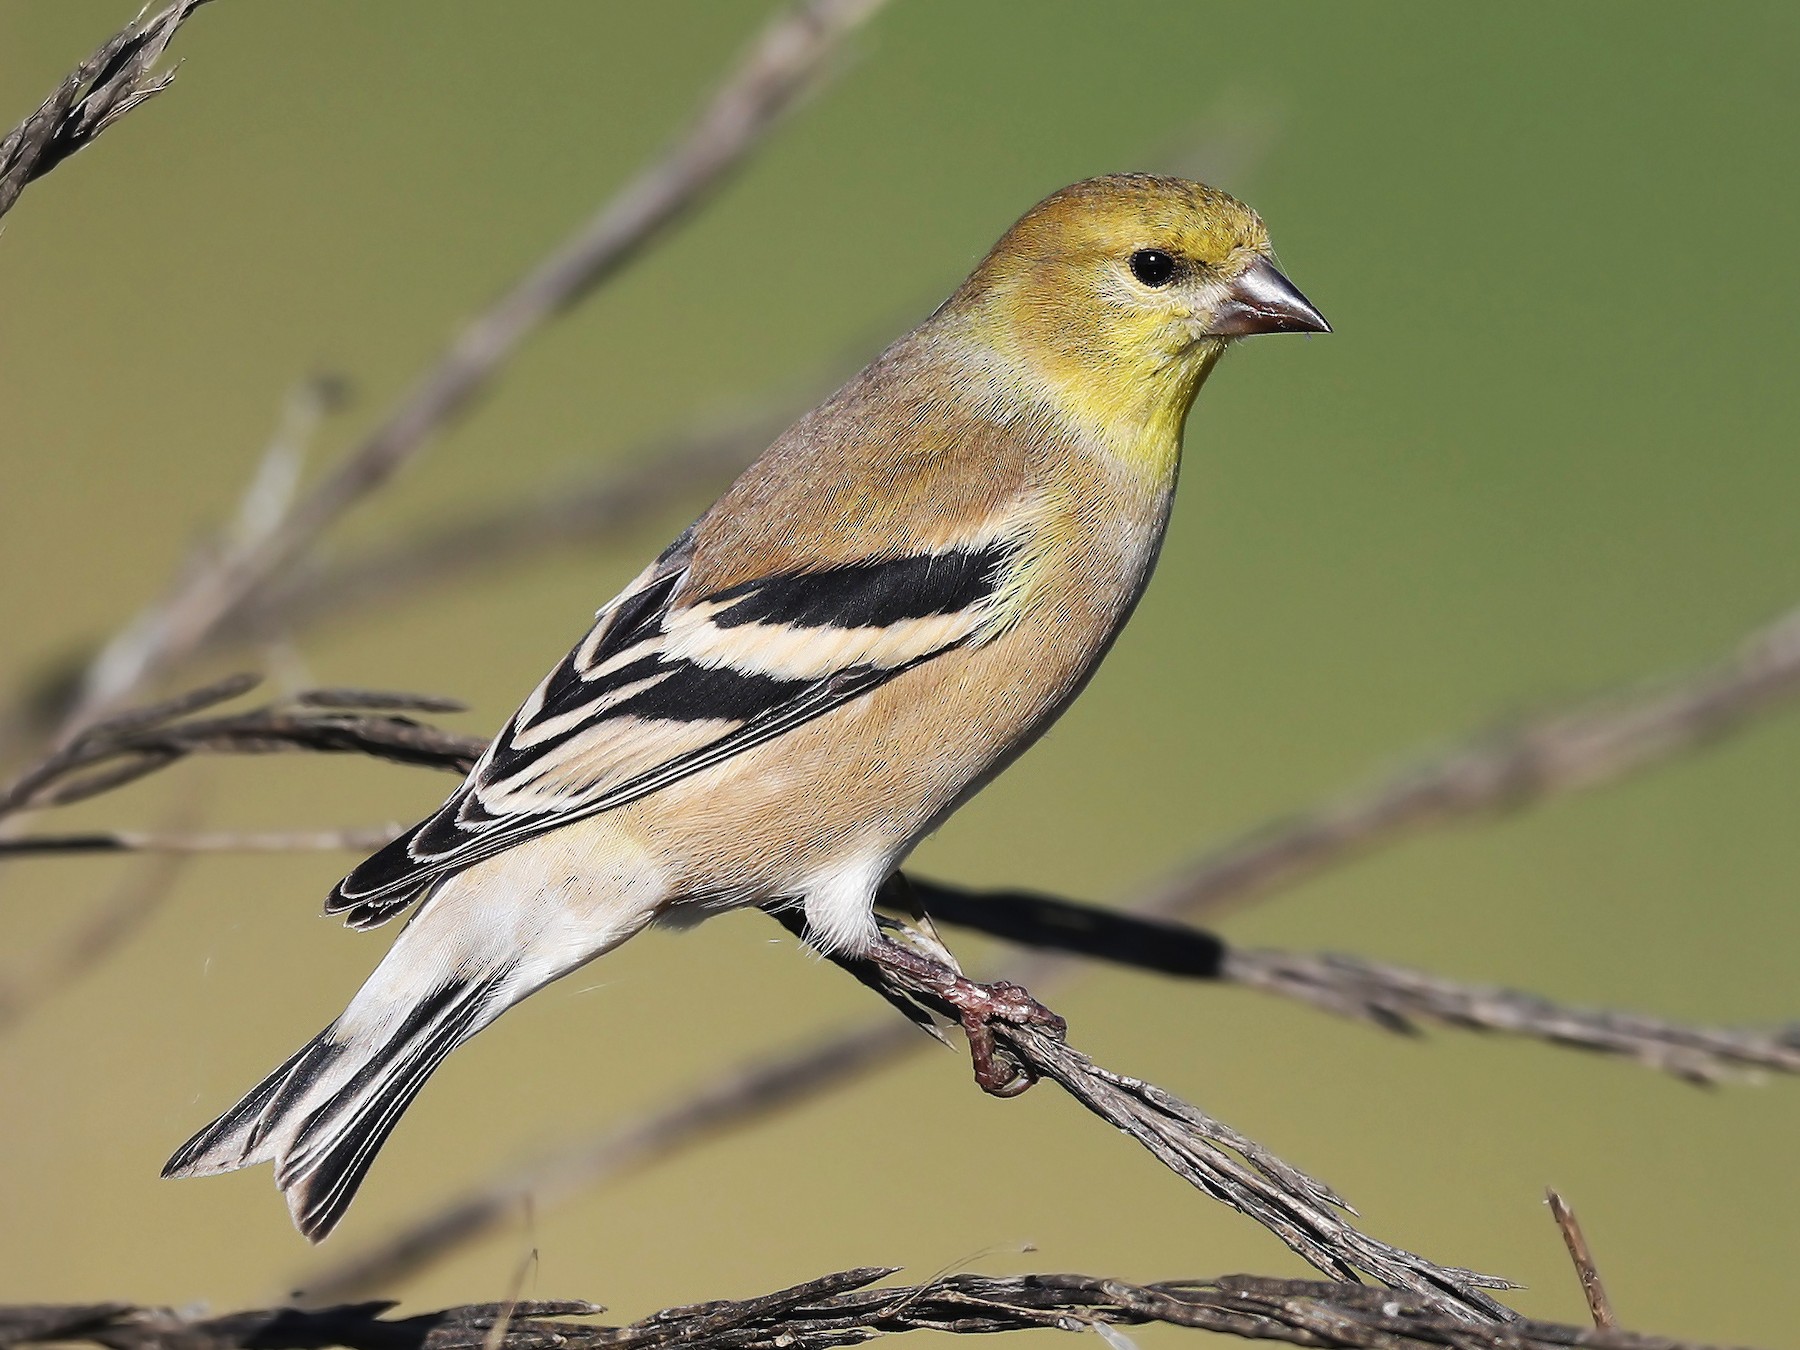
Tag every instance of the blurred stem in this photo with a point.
(784, 64)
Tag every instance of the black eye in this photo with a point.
(1152, 266)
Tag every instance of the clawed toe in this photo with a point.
(978, 1007)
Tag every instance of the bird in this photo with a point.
(892, 603)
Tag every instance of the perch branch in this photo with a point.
(1209, 1155)
(837, 1310)
(102, 89)
(784, 64)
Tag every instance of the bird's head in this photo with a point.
(1120, 293)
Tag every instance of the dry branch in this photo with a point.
(1304, 1213)
(1215, 1159)
(784, 64)
(1593, 1289)
(1396, 997)
(132, 745)
(837, 1310)
(753, 1090)
(102, 89)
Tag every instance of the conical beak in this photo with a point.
(1264, 301)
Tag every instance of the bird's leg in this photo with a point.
(914, 980)
(898, 893)
(977, 1007)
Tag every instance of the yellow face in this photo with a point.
(1120, 293)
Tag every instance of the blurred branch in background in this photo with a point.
(102, 89)
(784, 64)
(1592, 743)
(838, 1310)
(586, 509)
(563, 513)
(128, 746)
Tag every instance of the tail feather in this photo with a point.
(324, 1162)
(483, 940)
(232, 1141)
(322, 1116)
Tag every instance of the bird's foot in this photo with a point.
(977, 1007)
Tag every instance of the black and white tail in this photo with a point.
(480, 941)
(321, 1116)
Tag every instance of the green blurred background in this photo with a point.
(1549, 448)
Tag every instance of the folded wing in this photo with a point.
(665, 685)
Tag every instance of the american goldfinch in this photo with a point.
(878, 617)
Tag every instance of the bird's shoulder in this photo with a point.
(913, 457)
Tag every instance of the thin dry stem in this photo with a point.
(1592, 1289)
(102, 89)
(1398, 998)
(1393, 998)
(350, 839)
